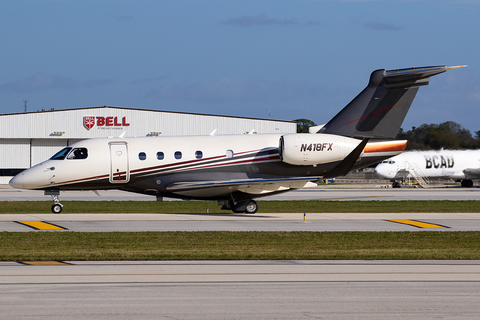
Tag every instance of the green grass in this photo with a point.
(218, 245)
(313, 206)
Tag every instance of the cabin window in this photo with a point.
(229, 153)
(160, 155)
(78, 153)
(198, 154)
(60, 155)
(178, 155)
(142, 156)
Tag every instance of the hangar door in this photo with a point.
(14, 153)
(119, 170)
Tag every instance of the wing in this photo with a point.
(254, 187)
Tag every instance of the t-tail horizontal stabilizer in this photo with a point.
(379, 110)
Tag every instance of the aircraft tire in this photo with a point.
(238, 208)
(251, 207)
(467, 183)
(56, 208)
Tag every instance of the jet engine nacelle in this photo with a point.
(311, 149)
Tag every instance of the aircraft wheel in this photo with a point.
(251, 207)
(56, 208)
(467, 183)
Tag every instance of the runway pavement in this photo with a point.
(241, 290)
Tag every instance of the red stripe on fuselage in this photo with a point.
(169, 165)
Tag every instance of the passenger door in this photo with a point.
(119, 169)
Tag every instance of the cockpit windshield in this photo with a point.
(60, 155)
(78, 153)
(70, 153)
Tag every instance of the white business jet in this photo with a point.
(235, 169)
(460, 165)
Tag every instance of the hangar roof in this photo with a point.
(93, 122)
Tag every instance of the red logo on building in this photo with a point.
(89, 122)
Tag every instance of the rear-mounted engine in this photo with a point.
(311, 149)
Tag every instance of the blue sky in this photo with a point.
(289, 59)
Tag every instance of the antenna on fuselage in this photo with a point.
(123, 134)
(213, 132)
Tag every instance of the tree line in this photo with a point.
(446, 135)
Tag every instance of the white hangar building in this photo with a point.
(29, 138)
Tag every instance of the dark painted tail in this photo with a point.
(379, 110)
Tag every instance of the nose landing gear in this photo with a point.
(57, 206)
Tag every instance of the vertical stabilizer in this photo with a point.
(379, 110)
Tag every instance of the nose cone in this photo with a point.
(34, 178)
(18, 181)
(382, 170)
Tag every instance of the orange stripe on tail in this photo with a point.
(386, 146)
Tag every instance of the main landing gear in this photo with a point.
(250, 207)
(57, 206)
(239, 203)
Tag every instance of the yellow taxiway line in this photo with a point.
(419, 224)
(40, 225)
